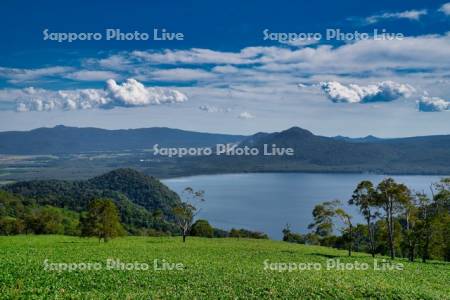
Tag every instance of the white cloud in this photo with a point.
(245, 115)
(408, 14)
(87, 75)
(227, 69)
(445, 8)
(192, 56)
(433, 104)
(131, 93)
(14, 75)
(181, 74)
(381, 92)
(429, 53)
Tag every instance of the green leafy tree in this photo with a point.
(102, 220)
(323, 214)
(202, 228)
(364, 197)
(391, 197)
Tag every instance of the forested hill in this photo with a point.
(137, 196)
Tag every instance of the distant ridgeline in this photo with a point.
(312, 153)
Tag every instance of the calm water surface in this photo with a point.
(267, 201)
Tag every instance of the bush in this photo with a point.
(202, 228)
(10, 225)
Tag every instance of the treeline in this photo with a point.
(101, 219)
(202, 228)
(18, 215)
(398, 222)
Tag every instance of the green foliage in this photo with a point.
(11, 226)
(411, 226)
(19, 215)
(244, 233)
(102, 220)
(137, 197)
(202, 228)
(291, 237)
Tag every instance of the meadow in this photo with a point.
(228, 268)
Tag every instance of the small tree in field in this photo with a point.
(102, 220)
(348, 229)
(186, 211)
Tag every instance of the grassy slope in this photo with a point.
(215, 268)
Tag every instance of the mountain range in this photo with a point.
(312, 153)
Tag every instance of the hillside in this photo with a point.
(211, 268)
(137, 196)
(69, 140)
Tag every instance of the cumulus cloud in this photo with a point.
(384, 91)
(408, 14)
(433, 104)
(134, 93)
(131, 93)
(445, 8)
(245, 115)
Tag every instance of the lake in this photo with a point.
(267, 201)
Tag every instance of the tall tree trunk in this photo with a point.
(390, 229)
(184, 237)
(350, 240)
(371, 237)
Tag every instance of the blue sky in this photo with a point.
(224, 76)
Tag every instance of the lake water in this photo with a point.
(267, 201)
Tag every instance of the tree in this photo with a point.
(390, 197)
(102, 220)
(410, 227)
(364, 197)
(422, 229)
(202, 228)
(10, 225)
(348, 230)
(292, 237)
(186, 211)
(323, 218)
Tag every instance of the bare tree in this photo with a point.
(187, 210)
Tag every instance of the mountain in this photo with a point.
(137, 196)
(428, 154)
(70, 140)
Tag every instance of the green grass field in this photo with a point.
(213, 268)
